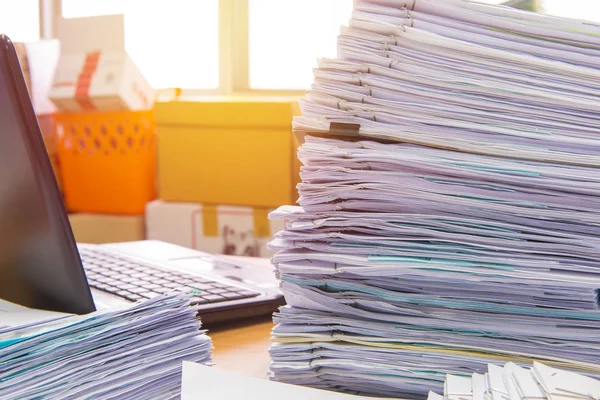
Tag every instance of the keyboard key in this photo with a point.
(110, 273)
(202, 280)
(163, 290)
(214, 298)
(181, 281)
(150, 286)
(198, 301)
(202, 286)
(147, 270)
(149, 295)
(248, 293)
(121, 263)
(119, 276)
(233, 296)
(225, 286)
(100, 286)
(127, 286)
(217, 290)
(162, 274)
(111, 289)
(139, 275)
(123, 293)
(134, 297)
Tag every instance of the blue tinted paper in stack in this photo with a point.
(128, 353)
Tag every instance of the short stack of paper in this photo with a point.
(449, 201)
(516, 383)
(129, 353)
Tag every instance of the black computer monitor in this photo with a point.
(39, 263)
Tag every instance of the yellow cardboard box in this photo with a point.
(237, 151)
(101, 228)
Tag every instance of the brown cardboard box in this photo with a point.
(227, 150)
(100, 228)
(100, 81)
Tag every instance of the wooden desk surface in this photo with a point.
(243, 347)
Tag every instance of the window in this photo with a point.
(20, 20)
(286, 37)
(175, 43)
(90, 8)
(581, 9)
(229, 46)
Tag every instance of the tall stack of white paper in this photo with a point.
(458, 225)
(130, 353)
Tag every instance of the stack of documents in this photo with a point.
(449, 201)
(516, 383)
(128, 353)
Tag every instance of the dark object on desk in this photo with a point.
(40, 265)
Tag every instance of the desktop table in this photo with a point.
(242, 347)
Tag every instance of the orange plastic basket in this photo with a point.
(107, 161)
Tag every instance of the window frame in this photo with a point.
(234, 78)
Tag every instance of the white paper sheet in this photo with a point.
(201, 382)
